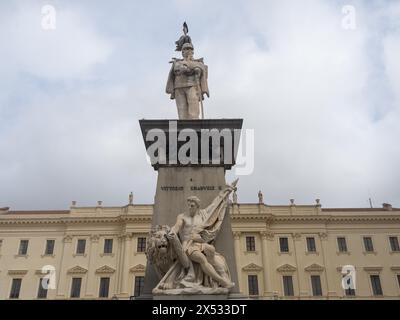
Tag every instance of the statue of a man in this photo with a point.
(187, 83)
(260, 197)
(189, 226)
(131, 198)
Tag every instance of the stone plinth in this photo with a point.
(177, 181)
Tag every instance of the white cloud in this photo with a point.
(69, 51)
(288, 68)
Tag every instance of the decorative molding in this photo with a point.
(17, 272)
(94, 238)
(236, 235)
(21, 256)
(323, 236)
(255, 252)
(252, 267)
(307, 253)
(381, 216)
(296, 236)
(67, 239)
(395, 268)
(315, 267)
(267, 235)
(280, 253)
(342, 252)
(47, 255)
(107, 254)
(286, 268)
(77, 270)
(138, 268)
(375, 269)
(105, 269)
(126, 236)
(369, 252)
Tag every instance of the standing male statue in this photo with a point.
(187, 80)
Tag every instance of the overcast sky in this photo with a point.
(323, 100)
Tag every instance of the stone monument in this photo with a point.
(190, 247)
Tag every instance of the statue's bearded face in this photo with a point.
(187, 53)
(193, 208)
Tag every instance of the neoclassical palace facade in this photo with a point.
(282, 252)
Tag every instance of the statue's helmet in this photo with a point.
(187, 45)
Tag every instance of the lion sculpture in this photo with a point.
(159, 251)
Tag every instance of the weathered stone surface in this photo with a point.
(169, 202)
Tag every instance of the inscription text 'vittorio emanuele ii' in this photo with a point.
(192, 188)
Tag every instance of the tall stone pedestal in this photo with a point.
(202, 178)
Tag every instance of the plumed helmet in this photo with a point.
(187, 45)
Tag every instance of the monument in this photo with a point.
(190, 247)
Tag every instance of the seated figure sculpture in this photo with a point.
(194, 266)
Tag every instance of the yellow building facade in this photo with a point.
(282, 252)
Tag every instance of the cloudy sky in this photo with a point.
(323, 100)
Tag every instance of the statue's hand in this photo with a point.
(196, 237)
(230, 188)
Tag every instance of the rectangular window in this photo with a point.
(342, 245)
(15, 288)
(23, 247)
(49, 247)
(376, 285)
(80, 248)
(311, 244)
(108, 245)
(141, 244)
(42, 292)
(369, 247)
(104, 287)
(398, 280)
(316, 285)
(288, 286)
(139, 283)
(284, 244)
(250, 244)
(253, 285)
(76, 287)
(394, 243)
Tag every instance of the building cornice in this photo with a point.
(251, 214)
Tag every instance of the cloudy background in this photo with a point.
(324, 101)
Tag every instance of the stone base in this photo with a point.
(177, 181)
(237, 296)
(200, 290)
(203, 182)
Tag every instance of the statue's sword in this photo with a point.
(202, 108)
